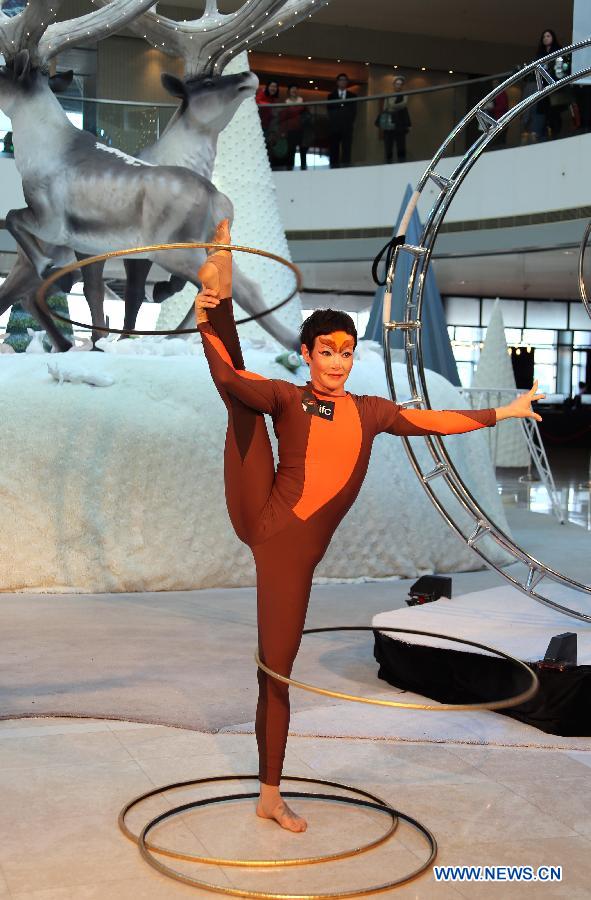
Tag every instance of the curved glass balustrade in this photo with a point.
(299, 136)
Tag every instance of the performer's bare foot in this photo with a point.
(271, 805)
(215, 275)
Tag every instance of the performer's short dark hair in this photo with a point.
(325, 321)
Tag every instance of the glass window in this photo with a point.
(470, 335)
(582, 338)
(462, 310)
(578, 316)
(546, 376)
(513, 313)
(466, 343)
(540, 337)
(513, 335)
(545, 355)
(546, 314)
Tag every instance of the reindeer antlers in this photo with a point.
(207, 44)
(92, 27)
(31, 29)
(24, 30)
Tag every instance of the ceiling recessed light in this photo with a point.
(395, 67)
(451, 71)
(309, 57)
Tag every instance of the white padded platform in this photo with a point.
(501, 617)
(120, 488)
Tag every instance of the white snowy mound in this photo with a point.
(122, 489)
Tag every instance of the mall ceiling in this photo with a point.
(499, 33)
(469, 36)
(499, 22)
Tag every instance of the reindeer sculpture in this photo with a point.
(33, 30)
(208, 105)
(223, 42)
(93, 198)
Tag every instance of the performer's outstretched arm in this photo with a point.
(408, 422)
(393, 419)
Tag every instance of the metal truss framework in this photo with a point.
(443, 467)
(582, 287)
(587, 304)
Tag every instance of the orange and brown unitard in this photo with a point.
(288, 517)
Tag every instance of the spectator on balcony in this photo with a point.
(341, 118)
(394, 122)
(544, 119)
(296, 120)
(273, 123)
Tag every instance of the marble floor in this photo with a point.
(571, 470)
(63, 782)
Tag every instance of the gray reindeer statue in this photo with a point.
(33, 30)
(190, 141)
(208, 99)
(92, 198)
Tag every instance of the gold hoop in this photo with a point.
(152, 248)
(443, 707)
(267, 895)
(255, 863)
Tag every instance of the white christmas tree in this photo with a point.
(495, 372)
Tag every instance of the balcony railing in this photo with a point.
(317, 134)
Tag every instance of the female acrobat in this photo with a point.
(288, 517)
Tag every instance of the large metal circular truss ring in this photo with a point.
(442, 707)
(380, 806)
(422, 254)
(255, 863)
(152, 248)
(582, 288)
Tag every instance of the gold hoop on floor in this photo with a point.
(441, 707)
(147, 850)
(365, 796)
(152, 248)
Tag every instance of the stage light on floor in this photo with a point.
(561, 653)
(428, 589)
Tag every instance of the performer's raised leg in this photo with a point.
(249, 474)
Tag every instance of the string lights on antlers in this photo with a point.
(207, 44)
(36, 30)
